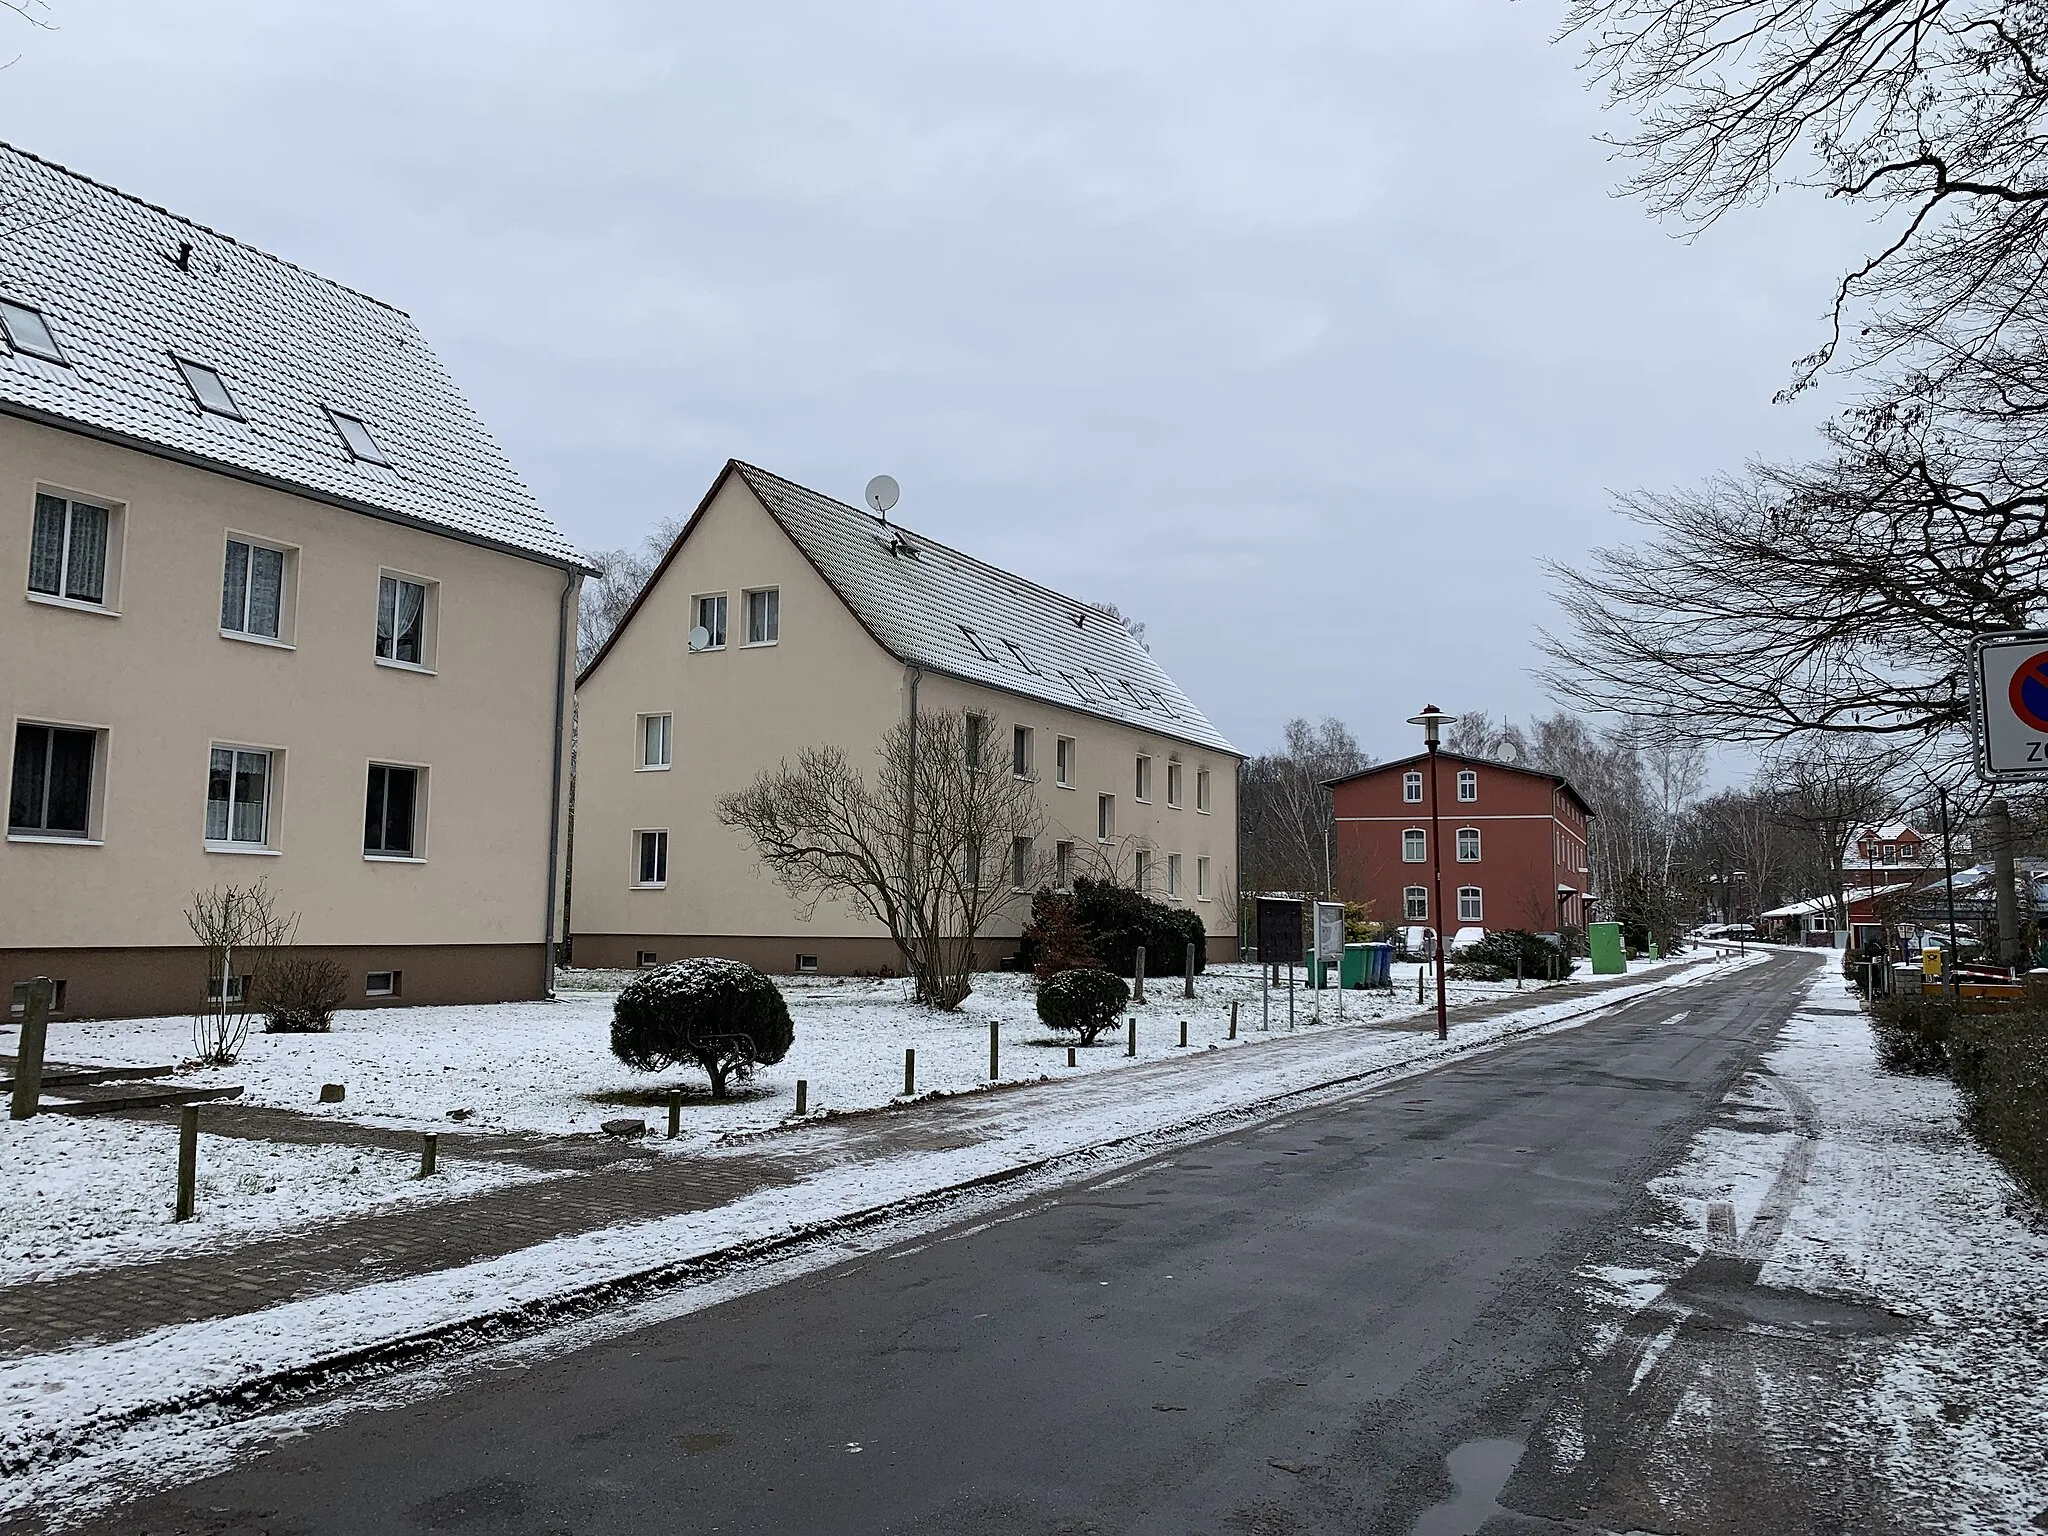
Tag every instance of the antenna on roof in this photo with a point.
(882, 493)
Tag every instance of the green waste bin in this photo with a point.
(1353, 973)
(1603, 942)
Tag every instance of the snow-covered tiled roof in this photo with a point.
(104, 270)
(934, 607)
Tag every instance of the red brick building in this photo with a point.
(1514, 851)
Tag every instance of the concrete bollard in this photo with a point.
(994, 1052)
(1188, 985)
(909, 1071)
(675, 1115)
(1233, 1018)
(188, 1162)
(1070, 1056)
(1518, 970)
(803, 1095)
(1131, 1046)
(28, 1056)
(430, 1154)
(1183, 1034)
(1138, 980)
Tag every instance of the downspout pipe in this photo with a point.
(570, 581)
(913, 675)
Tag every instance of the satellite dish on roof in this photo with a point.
(1506, 752)
(882, 493)
(700, 638)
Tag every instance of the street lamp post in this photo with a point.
(1431, 720)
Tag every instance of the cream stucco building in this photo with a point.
(818, 622)
(281, 609)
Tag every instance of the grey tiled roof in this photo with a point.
(101, 267)
(921, 601)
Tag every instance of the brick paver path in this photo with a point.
(608, 1184)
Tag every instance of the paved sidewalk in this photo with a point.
(600, 1185)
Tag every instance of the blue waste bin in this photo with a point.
(1379, 965)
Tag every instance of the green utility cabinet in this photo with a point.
(1603, 941)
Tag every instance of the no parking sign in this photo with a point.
(2011, 679)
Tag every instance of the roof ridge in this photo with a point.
(205, 229)
(976, 560)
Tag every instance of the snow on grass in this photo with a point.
(547, 1067)
(81, 1193)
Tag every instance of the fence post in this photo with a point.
(1138, 989)
(1188, 987)
(188, 1161)
(803, 1094)
(430, 1154)
(675, 1115)
(1233, 1018)
(1131, 1045)
(1518, 968)
(909, 1071)
(28, 1059)
(1183, 1033)
(994, 1052)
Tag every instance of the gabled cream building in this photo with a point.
(818, 622)
(273, 604)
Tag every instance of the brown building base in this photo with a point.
(782, 955)
(141, 983)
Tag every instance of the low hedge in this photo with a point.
(1998, 1060)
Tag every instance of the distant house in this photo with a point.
(1514, 852)
(1875, 913)
(283, 611)
(781, 619)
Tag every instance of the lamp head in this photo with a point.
(1431, 720)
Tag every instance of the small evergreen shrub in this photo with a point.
(720, 1016)
(1118, 919)
(300, 995)
(1500, 950)
(1083, 1002)
(1912, 1033)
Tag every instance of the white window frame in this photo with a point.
(1411, 787)
(1142, 779)
(1475, 911)
(273, 764)
(974, 640)
(1063, 762)
(393, 986)
(975, 744)
(1415, 903)
(196, 376)
(1416, 839)
(1141, 870)
(1020, 863)
(1173, 782)
(369, 450)
(107, 604)
(1023, 752)
(1173, 874)
(422, 788)
(1201, 877)
(33, 346)
(645, 725)
(1105, 818)
(1468, 785)
(95, 789)
(723, 608)
(287, 590)
(773, 610)
(430, 621)
(1462, 856)
(1201, 792)
(661, 847)
(1062, 866)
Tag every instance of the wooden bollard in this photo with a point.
(1131, 1047)
(803, 1095)
(1070, 1056)
(1188, 983)
(1233, 1018)
(909, 1071)
(1183, 1034)
(994, 1052)
(430, 1154)
(28, 1055)
(675, 1115)
(1138, 980)
(188, 1162)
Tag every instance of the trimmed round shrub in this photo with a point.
(720, 1016)
(1083, 1002)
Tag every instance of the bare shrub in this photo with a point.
(239, 929)
(300, 995)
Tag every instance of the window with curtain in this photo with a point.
(1468, 784)
(1173, 874)
(390, 812)
(1469, 908)
(402, 621)
(654, 740)
(68, 549)
(764, 616)
(238, 797)
(1468, 845)
(1020, 863)
(51, 791)
(1414, 846)
(252, 590)
(1415, 903)
(653, 858)
(711, 619)
(1411, 787)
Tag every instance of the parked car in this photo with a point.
(1418, 943)
(1465, 938)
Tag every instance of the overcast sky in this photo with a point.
(1300, 331)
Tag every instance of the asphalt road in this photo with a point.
(1305, 1326)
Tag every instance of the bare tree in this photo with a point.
(930, 848)
(1825, 791)
(240, 931)
(622, 573)
(1285, 807)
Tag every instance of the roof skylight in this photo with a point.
(1023, 657)
(28, 332)
(355, 436)
(975, 640)
(208, 390)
